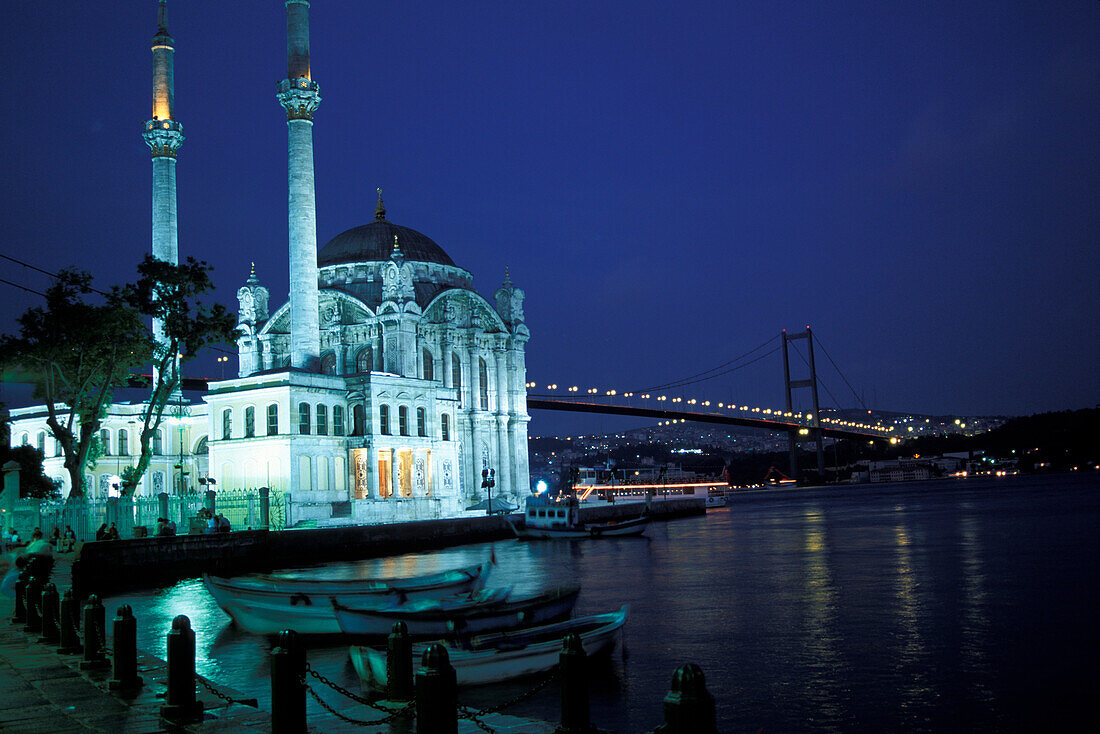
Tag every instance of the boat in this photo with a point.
(459, 617)
(266, 604)
(545, 519)
(504, 655)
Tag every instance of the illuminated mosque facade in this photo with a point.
(385, 385)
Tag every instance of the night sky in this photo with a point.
(671, 183)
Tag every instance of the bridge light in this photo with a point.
(803, 431)
(720, 405)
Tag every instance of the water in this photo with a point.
(936, 606)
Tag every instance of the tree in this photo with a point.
(170, 295)
(76, 354)
(33, 482)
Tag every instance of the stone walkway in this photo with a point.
(42, 691)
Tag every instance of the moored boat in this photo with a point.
(544, 519)
(505, 655)
(267, 605)
(427, 619)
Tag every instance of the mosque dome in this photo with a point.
(374, 242)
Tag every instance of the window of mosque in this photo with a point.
(421, 423)
(249, 422)
(202, 448)
(322, 420)
(384, 420)
(123, 442)
(158, 443)
(273, 419)
(26, 441)
(364, 360)
(57, 451)
(429, 365)
(303, 419)
(403, 420)
(105, 441)
(227, 424)
(445, 426)
(357, 420)
(483, 382)
(456, 376)
(328, 364)
(338, 420)
(42, 442)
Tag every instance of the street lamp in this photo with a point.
(488, 481)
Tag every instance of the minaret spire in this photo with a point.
(164, 136)
(300, 96)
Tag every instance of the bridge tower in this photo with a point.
(812, 384)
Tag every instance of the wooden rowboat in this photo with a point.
(459, 616)
(267, 605)
(504, 655)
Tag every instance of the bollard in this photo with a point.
(33, 604)
(436, 693)
(126, 678)
(94, 631)
(70, 633)
(50, 631)
(689, 707)
(399, 664)
(20, 615)
(573, 674)
(288, 689)
(180, 704)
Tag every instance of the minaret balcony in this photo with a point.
(299, 97)
(164, 137)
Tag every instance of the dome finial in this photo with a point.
(507, 277)
(397, 254)
(252, 275)
(380, 209)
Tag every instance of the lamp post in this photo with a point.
(488, 481)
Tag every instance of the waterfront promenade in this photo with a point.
(43, 691)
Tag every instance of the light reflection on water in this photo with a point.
(883, 609)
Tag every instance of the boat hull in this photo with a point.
(634, 526)
(493, 665)
(267, 606)
(473, 620)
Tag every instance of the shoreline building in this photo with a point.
(384, 386)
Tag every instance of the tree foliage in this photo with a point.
(171, 295)
(32, 481)
(77, 354)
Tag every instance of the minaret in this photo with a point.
(300, 96)
(164, 136)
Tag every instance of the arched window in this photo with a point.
(303, 419)
(26, 441)
(202, 448)
(328, 364)
(249, 422)
(273, 419)
(384, 420)
(227, 424)
(456, 376)
(322, 420)
(429, 365)
(364, 360)
(123, 442)
(158, 443)
(483, 382)
(42, 442)
(445, 426)
(338, 420)
(357, 419)
(403, 420)
(105, 441)
(57, 450)
(421, 423)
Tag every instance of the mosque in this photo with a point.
(380, 391)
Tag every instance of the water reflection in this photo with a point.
(820, 594)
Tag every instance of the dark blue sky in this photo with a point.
(671, 183)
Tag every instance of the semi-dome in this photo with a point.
(375, 241)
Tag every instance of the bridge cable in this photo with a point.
(826, 351)
(683, 380)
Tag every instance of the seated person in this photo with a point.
(68, 540)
